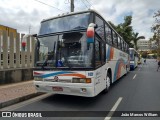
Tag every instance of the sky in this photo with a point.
(26, 15)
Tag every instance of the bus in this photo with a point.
(134, 58)
(78, 54)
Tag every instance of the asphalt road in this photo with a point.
(139, 91)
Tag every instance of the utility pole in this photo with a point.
(72, 5)
(29, 29)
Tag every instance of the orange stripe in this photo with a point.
(77, 75)
(111, 53)
(119, 69)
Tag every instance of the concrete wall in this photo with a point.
(15, 75)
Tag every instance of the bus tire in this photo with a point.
(108, 83)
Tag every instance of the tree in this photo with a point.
(135, 39)
(156, 29)
(126, 31)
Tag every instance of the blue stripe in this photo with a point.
(108, 53)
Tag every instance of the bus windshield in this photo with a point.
(133, 53)
(66, 23)
(65, 50)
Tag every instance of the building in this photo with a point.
(144, 45)
(8, 30)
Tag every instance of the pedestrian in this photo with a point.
(144, 61)
(158, 64)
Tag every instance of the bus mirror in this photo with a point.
(38, 44)
(90, 40)
(34, 35)
(96, 26)
(88, 45)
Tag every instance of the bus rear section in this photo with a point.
(133, 58)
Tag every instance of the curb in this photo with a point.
(20, 99)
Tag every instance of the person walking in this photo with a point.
(158, 64)
(144, 61)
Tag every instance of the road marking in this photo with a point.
(134, 76)
(113, 109)
(24, 103)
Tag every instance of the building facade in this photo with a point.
(144, 45)
(8, 30)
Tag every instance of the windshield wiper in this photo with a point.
(44, 63)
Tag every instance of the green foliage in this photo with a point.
(156, 29)
(126, 31)
(144, 54)
(135, 39)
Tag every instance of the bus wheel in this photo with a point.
(108, 83)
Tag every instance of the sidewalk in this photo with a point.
(16, 92)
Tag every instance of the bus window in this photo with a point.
(119, 43)
(122, 43)
(125, 47)
(108, 34)
(67, 23)
(114, 39)
(100, 29)
(103, 53)
(97, 53)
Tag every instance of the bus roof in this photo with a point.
(73, 13)
(66, 14)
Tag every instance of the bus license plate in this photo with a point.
(57, 88)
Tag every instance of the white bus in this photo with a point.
(134, 58)
(85, 55)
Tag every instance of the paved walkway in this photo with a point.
(16, 90)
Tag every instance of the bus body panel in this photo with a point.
(61, 81)
(117, 61)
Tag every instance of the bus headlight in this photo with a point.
(38, 79)
(81, 80)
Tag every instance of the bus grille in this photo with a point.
(59, 80)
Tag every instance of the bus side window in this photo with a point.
(122, 43)
(126, 47)
(115, 40)
(100, 29)
(119, 43)
(108, 34)
(103, 52)
(97, 53)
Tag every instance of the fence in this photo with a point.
(12, 56)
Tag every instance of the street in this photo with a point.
(139, 90)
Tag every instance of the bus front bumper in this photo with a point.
(77, 89)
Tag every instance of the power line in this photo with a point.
(84, 4)
(49, 5)
(90, 4)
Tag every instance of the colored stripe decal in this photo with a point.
(62, 73)
(108, 53)
(77, 75)
(120, 63)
